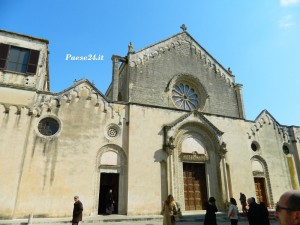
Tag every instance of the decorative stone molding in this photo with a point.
(169, 146)
(258, 174)
(194, 157)
(222, 150)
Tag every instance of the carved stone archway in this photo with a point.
(195, 126)
(118, 164)
(264, 174)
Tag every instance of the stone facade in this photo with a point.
(171, 122)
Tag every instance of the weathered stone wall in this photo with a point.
(238, 137)
(47, 172)
(14, 123)
(149, 81)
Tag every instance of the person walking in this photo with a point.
(169, 211)
(255, 215)
(211, 209)
(109, 203)
(233, 212)
(265, 213)
(77, 211)
(243, 201)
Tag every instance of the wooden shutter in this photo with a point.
(33, 62)
(3, 55)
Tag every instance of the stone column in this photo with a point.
(240, 102)
(170, 150)
(222, 152)
(115, 77)
(225, 178)
(295, 152)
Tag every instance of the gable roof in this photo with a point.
(265, 113)
(79, 82)
(151, 51)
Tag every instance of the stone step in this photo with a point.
(93, 220)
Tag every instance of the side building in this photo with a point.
(171, 122)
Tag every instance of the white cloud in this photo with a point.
(286, 21)
(289, 2)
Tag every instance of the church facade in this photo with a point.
(171, 122)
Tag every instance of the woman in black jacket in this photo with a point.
(211, 209)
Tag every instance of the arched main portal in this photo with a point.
(111, 173)
(196, 163)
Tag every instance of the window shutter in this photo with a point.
(3, 55)
(33, 62)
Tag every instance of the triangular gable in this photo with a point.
(265, 114)
(80, 82)
(149, 52)
(194, 116)
(265, 118)
(80, 88)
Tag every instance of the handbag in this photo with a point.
(176, 217)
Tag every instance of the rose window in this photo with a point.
(112, 132)
(185, 97)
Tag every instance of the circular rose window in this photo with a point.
(112, 131)
(48, 126)
(185, 97)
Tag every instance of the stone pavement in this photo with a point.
(190, 219)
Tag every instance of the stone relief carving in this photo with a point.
(194, 157)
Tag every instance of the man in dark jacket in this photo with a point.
(255, 214)
(77, 211)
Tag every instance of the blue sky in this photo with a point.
(257, 39)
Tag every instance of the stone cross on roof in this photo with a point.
(183, 27)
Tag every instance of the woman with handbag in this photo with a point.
(169, 211)
(233, 212)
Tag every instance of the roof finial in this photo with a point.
(183, 27)
(130, 48)
(229, 70)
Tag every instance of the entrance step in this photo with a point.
(196, 216)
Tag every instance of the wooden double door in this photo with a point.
(260, 188)
(195, 190)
